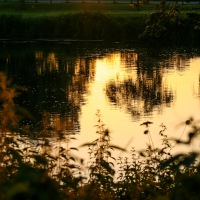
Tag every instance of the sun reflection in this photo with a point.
(48, 63)
(129, 88)
(123, 128)
(107, 68)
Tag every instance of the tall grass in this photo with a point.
(164, 24)
(55, 9)
(86, 25)
(46, 9)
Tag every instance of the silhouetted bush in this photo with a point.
(172, 25)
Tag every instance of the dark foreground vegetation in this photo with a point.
(34, 165)
(168, 22)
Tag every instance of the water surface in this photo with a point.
(129, 84)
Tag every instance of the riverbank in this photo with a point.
(108, 22)
(55, 9)
(84, 25)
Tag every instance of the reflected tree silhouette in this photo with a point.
(147, 91)
(55, 82)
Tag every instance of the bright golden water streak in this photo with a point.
(119, 67)
(184, 84)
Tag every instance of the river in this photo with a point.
(128, 84)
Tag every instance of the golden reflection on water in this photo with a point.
(128, 87)
(176, 86)
(126, 131)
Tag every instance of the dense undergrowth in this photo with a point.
(167, 22)
(86, 25)
(34, 164)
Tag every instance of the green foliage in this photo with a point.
(31, 183)
(97, 23)
(187, 168)
(141, 178)
(56, 9)
(169, 23)
(101, 167)
(93, 21)
(162, 21)
(84, 25)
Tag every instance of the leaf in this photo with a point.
(88, 144)
(191, 135)
(33, 151)
(113, 158)
(73, 148)
(61, 149)
(26, 148)
(142, 153)
(73, 138)
(146, 123)
(63, 155)
(72, 166)
(171, 160)
(189, 160)
(106, 166)
(72, 158)
(118, 148)
(111, 164)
